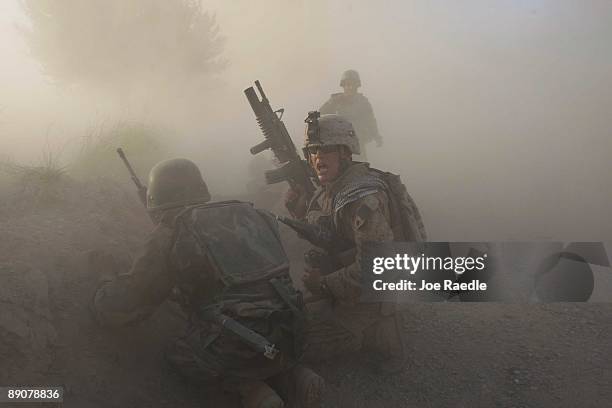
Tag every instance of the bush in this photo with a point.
(41, 182)
(98, 154)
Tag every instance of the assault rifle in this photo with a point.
(315, 234)
(336, 252)
(293, 168)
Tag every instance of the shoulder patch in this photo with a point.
(371, 202)
(367, 206)
(361, 216)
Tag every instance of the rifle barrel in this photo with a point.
(261, 91)
(129, 167)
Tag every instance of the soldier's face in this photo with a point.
(350, 88)
(325, 161)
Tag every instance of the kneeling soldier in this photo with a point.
(224, 264)
(358, 204)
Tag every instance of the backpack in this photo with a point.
(406, 221)
(242, 246)
(241, 243)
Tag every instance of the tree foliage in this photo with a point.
(113, 42)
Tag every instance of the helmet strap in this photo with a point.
(345, 162)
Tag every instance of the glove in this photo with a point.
(295, 202)
(104, 266)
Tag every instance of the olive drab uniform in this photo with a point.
(362, 205)
(357, 110)
(224, 264)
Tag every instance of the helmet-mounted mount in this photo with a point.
(329, 130)
(313, 131)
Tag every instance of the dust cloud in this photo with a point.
(496, 114)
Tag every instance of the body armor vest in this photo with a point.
(235, 244)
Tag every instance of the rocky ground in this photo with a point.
(461, 355)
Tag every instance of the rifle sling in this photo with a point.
(347, 257)
(253, 339)
(284, 294)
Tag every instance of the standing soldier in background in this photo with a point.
(224, 264)
(356, 108)
(357, 204)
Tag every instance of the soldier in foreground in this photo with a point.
(356, 108)
(358, 204)
(224, 264)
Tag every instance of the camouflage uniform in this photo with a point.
(345, 324)
(233, 264)
(207, 352)
(361, 205)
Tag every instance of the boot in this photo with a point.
(257, 394)
(307, 388)
(387, 342)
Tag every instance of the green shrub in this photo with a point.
(40, 183)
(98, 154)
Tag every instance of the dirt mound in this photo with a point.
(26, 331)
(461, 355)
(47, 335)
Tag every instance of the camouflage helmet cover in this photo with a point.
(174, 183)
(350, 76)
(331, 130)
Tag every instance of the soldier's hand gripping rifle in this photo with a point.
(319, 237)
(293, 168)
(336, 252)
(315, 234)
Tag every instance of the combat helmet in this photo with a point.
(350, 76)
(175, 183)
(329, 130)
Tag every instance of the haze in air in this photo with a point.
(495, 114)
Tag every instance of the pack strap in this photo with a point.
(253, 339)
(284, 294)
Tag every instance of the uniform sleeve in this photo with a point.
(328, 107)
(366, 220)
(370, 120)
(135, 295)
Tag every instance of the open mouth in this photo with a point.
(322, 169)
